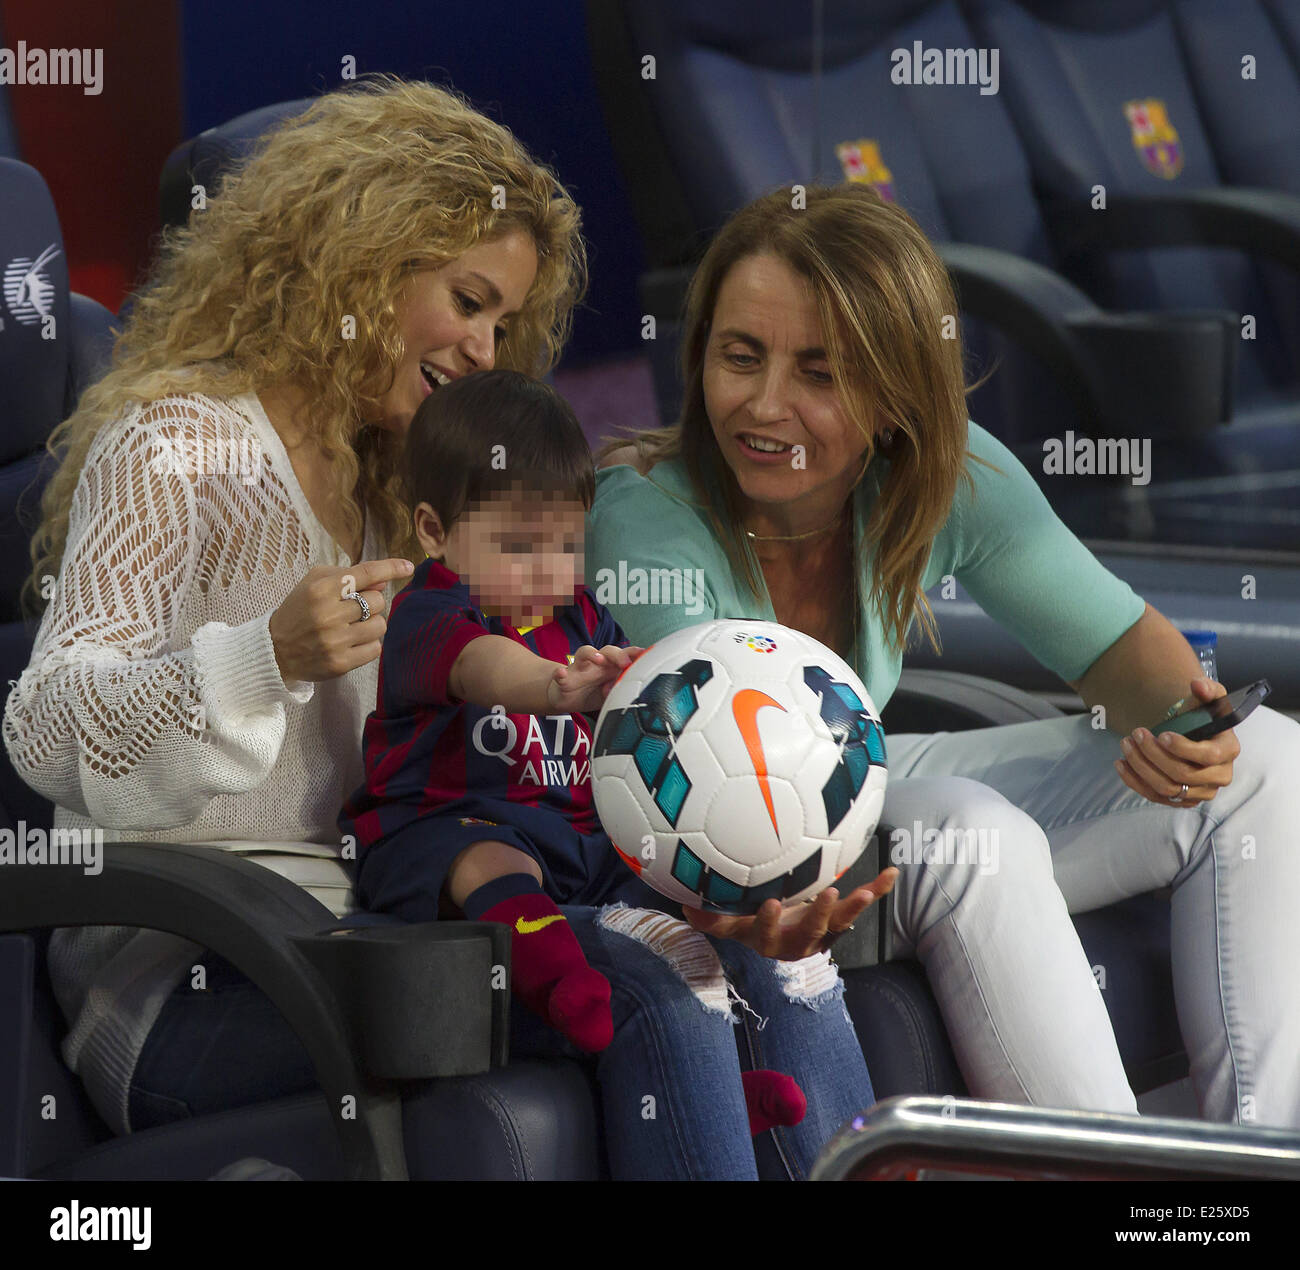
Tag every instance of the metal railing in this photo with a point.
(901, 1136)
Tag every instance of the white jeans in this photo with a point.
(1018, 995)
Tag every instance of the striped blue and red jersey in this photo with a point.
(425, 752)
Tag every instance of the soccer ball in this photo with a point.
(738, 761)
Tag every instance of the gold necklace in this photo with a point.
(812, 533)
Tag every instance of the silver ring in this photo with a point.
(1178, 798)
(361, 600)
(832, 935)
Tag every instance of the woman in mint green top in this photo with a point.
(1009, 549)
(824, 474)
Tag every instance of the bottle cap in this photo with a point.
(1208, 638)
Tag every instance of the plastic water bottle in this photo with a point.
(1204, 645)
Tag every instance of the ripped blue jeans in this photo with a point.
(670, 1082)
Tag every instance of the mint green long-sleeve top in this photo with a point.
(1003, 543)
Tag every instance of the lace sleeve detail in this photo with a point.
(109, 720)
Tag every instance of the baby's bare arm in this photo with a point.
(495, 671)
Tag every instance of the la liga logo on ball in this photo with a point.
(759, 643)
(724, 780)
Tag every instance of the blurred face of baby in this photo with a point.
(520, 554)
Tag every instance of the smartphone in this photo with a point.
(1207, 720)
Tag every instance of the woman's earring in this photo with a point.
(886, 438)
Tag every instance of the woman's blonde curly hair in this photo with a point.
(325, 220)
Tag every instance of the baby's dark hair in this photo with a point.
(451, 458)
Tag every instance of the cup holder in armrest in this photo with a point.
(1167, 373)
(421, 1000)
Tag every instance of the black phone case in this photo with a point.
(1231, 720)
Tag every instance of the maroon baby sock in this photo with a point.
(772, 1098)
(548, 971)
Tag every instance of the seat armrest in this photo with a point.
(948, 701)
(1034, 307)
(1261, 222)
(1195, 352)
(260, 922)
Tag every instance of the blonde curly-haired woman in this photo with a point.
(202, 673)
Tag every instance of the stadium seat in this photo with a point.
(52, 344)
(1252, 120)
(735, 109)
(202, 160)
(525, 1119)
(1251, 114)
(1102, 96)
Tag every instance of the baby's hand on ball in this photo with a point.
(583, 686)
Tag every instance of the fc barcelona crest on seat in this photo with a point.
(861, 162)
(1154, 137)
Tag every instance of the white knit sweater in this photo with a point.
(153, 707)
